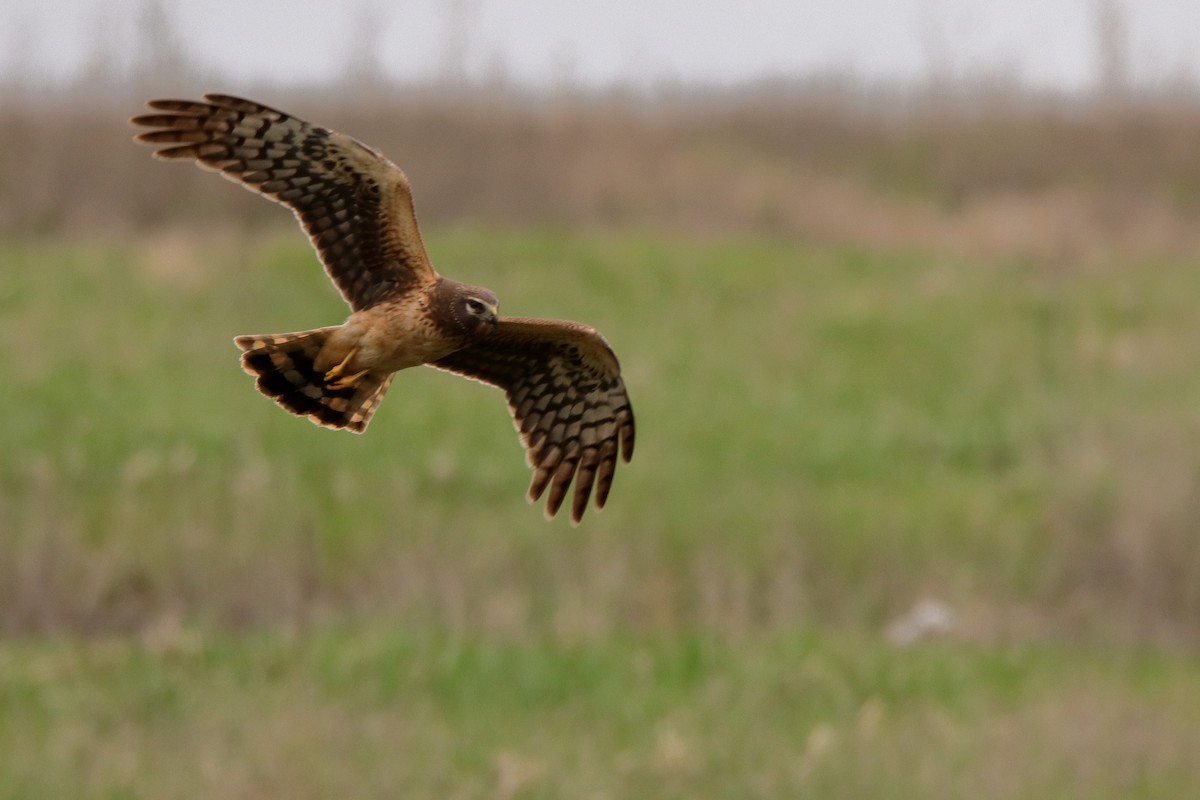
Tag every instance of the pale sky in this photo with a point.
(1044, 43)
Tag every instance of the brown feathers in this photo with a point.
(562, 381)
(353, 202)
(567, 399)
(285, 365)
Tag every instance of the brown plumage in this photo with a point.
(562, 381)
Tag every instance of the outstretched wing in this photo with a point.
(567, 400)
(355, 204)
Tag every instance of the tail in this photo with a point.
(285, 366)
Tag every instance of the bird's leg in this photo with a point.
(346, 381)
(336, 378)
(336, 371)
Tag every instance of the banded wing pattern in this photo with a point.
(567, 399)
(354, 204)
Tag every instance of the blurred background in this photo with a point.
(905, 295)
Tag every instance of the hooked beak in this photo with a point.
(494, 315)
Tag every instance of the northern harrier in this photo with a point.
(562, 381)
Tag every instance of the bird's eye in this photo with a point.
(475, 307)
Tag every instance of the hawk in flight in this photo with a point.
(562, 380)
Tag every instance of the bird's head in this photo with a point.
(481, 308)
(471, 310)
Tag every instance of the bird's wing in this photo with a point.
(355, 204)
(567, 400)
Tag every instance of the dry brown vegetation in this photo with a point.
(1056, 178)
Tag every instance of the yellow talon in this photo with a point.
(344, 382)
(336, 372)
(336, 379)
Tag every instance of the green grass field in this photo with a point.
(376, 712)
(203, 596)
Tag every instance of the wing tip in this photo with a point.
(168, 104)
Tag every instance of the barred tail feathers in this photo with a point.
(284, 364)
